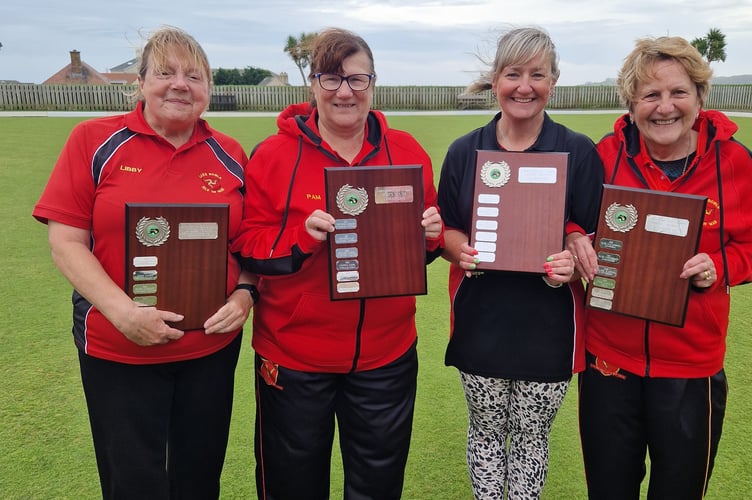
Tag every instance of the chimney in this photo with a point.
(75, 60)
(283, 78)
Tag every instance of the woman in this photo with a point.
(318, 359)
(159, 398)
(514, 334)
(649, 386)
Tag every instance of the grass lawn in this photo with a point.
(44, 434)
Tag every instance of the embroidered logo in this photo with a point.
(712, 209)
(606, 369)
(212, 183)
(269, 372)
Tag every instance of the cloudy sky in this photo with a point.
(415, 42)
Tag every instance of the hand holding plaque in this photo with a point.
(518, 209)
(642, 242)
(176, 259)
(378, 245)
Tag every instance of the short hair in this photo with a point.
(167, 39)
(519, 46)
(332, 46)
(639, 66)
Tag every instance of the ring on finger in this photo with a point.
(707, 274)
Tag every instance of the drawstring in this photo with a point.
(289, 196)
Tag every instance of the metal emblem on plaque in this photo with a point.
(621, 218)
(352, 201)
(152, 232)
(495, 174)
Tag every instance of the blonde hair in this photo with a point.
(169, 40)
(519, 46)
(639, 66)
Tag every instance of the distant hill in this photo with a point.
(718, 80)
(730, 80)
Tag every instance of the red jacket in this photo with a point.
(295, 324)
(698, 349)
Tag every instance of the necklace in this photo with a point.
(675, 168)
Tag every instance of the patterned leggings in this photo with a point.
(507, 437)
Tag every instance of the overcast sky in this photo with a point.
(415, 42)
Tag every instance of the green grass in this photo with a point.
(44, 434)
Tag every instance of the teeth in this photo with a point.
(664, 122)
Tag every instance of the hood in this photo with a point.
(712, 126)
(301, 120)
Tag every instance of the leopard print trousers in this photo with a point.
(507, 437)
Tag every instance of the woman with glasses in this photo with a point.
(318, 360)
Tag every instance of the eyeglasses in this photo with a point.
(332, 81)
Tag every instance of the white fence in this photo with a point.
(32, 97)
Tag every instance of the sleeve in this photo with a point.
(272, 239)
(68, 196)
(737, 219)
(586, 189)
(450, 182)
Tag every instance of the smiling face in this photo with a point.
(175, 92)
(665, 109)
(344, 111)
(523, 90)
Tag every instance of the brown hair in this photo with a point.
(638, 66)
(332, 46)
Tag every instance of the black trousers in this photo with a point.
(295, 418)
(624, 416)
(160, 431)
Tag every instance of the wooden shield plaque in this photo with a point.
(176, 258)
(518, 209)
(378, 246)
(642, 241)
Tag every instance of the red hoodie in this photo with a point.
(722, 171)
(295, 324)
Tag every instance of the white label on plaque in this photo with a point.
(486, 225)
(603, 293)
(148, 261)
(488, 212)
(489, 199)
(485, 246)
(486, 257)
(485, 236)
(348, 276)
(198, 231)
(536, 175)
(666, 225)
(601, 303)
(348, 287)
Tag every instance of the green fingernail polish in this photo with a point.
(472, 267)
(549, 258)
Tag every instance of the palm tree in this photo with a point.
(299, 49)
(712, 46)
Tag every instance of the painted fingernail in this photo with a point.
(549, 258)
(476, 260)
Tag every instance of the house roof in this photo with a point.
(80, 73)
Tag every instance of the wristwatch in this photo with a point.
(251, 289)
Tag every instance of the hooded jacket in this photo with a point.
(295, 323)
(722, 171)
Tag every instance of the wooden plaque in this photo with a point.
(518, 209)
(378, 248)
(642, 241)
(176, 258)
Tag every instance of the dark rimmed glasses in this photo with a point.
(333, 81)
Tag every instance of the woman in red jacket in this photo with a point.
(650, 387)
(317, 359)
